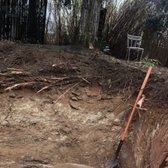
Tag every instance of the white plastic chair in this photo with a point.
(134, 43)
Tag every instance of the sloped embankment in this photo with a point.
(62, 105)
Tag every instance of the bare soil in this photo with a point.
(69, 105)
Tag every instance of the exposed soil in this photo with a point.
(69, 105)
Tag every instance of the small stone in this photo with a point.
(117, 120)
(73, 105)
(57, 133)
(19, 97)
(49, 138)
(74, 98)
(13, 95)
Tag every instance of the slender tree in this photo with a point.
(32, 20)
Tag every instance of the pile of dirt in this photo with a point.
(69, 105)
(49, 67)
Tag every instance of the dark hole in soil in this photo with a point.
(164, 164)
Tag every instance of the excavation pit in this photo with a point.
(65, 107)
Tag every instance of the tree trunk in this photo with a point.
(90, 15)
(32, 20)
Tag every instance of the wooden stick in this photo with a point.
(19, 85)
(66, 92)
(44, 88)
(15, 69)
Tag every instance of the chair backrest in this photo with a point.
(134, 41)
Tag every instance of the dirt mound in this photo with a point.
(46, 67)
(62, 105)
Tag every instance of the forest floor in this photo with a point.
(69, 105)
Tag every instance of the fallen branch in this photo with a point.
(66, 78)
(3, 74)
(60, 78)
(85, 80)
(14, 72)
(19, 85)
(19, 73)
(15, 69)
(44, 88)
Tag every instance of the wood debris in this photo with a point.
(19, 85)
(44, 88)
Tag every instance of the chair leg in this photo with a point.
(141, 55)
(128, 55)
(137, 55)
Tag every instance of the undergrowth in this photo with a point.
(148, 62)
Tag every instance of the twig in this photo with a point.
(66, 92)
(85, 80)
(59, 78)
(15, 69)
(123, 102)
(19, 85)
(19, 73)
(66, 78)
(3, 74)
(44, 88)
